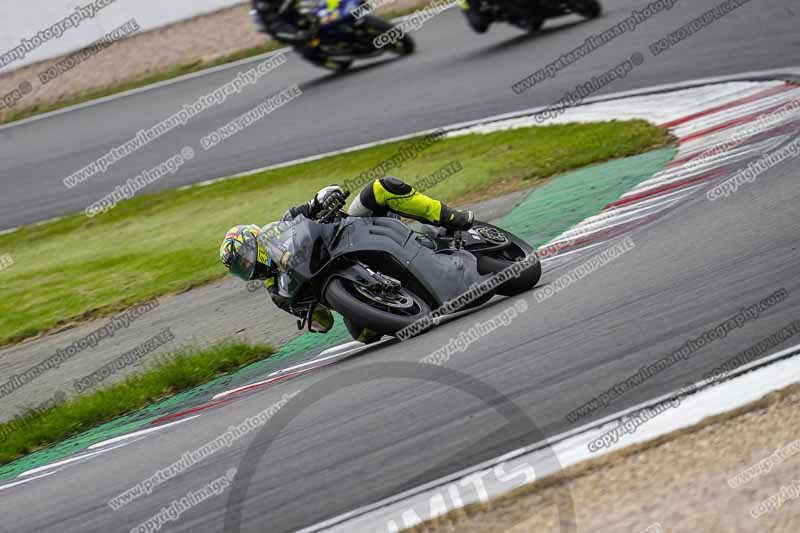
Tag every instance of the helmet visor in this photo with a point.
(245, 260)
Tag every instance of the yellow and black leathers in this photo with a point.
(388, 196)
(385, 196)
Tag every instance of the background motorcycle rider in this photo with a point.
(291, 22)
(384, 197)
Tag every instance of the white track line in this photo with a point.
(28, 480)
(655, 107)
(728, 156)
(140, 433)
(745, 385)
(354, 347)
(655, 199)
(727, 115)
(249, 386)
(745, 130)
(316, 361)
(341, 347)
(68, 461)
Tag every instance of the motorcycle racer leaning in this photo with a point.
(388, 196)
(294, 22)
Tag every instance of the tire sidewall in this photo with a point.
(492, 265)
(524, 282)
(341, 300)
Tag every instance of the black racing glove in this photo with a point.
(327, 200)
(333, 200)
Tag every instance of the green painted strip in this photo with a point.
(546, 213)
(304, 345)
(555, 207)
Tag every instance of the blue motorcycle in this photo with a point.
(346, 30)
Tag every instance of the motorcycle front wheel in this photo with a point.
(381, 312)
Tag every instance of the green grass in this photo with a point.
(179, 371)
(166, 74)
(155, 244)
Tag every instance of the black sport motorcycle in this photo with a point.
(346, 34)
(382, 275)
(526, 14)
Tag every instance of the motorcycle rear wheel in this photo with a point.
(495, 263)
(373, 312)
(488, 264)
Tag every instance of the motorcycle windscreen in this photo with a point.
(289, 245)
(244, 265)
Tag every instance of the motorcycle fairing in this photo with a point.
(445, 275)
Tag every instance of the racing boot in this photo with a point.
(321, 320)
(456, 219)
(361, 334)
(392, 195)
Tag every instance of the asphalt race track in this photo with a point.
(456, 76)
(377, 430)
(693, 268)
